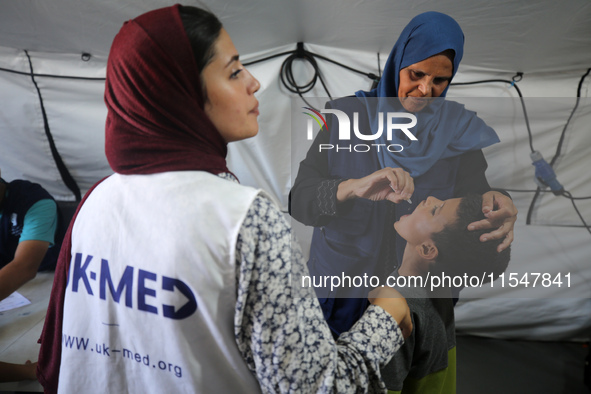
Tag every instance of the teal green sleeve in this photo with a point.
(40, 222)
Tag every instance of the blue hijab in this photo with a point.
(444, 129)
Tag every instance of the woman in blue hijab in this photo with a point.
(420, 67)
(347, 195)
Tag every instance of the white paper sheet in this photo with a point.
(13, 301)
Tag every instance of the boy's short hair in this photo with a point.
(461, 252)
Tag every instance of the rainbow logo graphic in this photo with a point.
(316, 119)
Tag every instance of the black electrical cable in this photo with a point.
(286, 71)
(572, 200)
(564, 225)
(377, 80)
(303, 51)
(565, 194)
(369, 75)
(526, 191)
(267, 58)
(30, 74)
(558, 149)
(61, 166)
(539, 190)
(545, 191)
(516, 78)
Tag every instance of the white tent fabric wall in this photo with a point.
(540, 247)
(76, 115)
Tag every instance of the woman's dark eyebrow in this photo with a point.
(234, 58)
(418, 71)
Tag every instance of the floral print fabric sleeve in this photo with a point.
(280, 329)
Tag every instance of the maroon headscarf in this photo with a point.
(155, 123)
(154, 96)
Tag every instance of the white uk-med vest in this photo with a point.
(151, 292)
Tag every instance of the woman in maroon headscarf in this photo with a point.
(173, 276)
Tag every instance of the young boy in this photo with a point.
(438, 245)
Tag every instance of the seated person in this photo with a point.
(438, 244)
(30, 233)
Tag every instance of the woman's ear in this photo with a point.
(427, 250)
